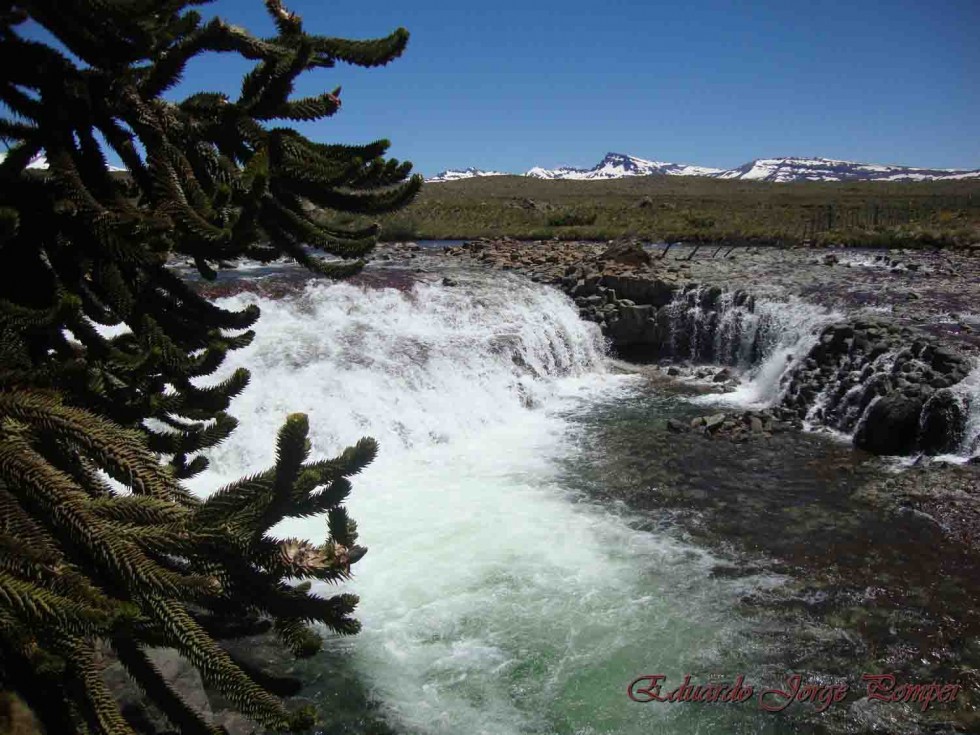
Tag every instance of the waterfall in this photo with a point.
(765, 339)
(831, 371)
(400, 364)
(968, 393)
(707, 324)
(490, 602)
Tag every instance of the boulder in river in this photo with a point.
(943, 423)
(650, 290)
(634, 325)
(891, 426)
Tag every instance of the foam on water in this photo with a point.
(493, 600)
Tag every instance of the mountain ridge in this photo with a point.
(781, 170)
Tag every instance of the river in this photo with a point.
(504, 591)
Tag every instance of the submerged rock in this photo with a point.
(736, 427)
(722, 376)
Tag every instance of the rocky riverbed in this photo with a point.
(935, 290)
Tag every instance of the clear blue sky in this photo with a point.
(508, 85)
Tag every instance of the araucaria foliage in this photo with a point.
(86, 568)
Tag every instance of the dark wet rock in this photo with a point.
(855, 363)
(634, 324)
(891, 426)
(722, 376)
(943, 423)
(708, 297)
(641, 290)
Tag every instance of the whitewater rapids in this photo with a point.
(493, 598)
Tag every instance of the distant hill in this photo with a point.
(828, 169)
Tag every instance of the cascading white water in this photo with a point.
(491, 602)
(769, 340)
(764, 338)
(786, 333)
(967, 392)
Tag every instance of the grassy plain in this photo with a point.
(671, 208)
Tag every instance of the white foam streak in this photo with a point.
(409, 368)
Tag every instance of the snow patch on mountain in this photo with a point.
(829, 169)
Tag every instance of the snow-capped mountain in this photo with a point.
(40, 162)
(466, 173)
(828, 169)
(619, 165)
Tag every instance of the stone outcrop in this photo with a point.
(891, 425)
(628, 253)
(886, 384)
(943, 423)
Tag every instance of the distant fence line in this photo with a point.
(827, 217)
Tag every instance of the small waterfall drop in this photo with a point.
(832, 371)
(967, 393)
